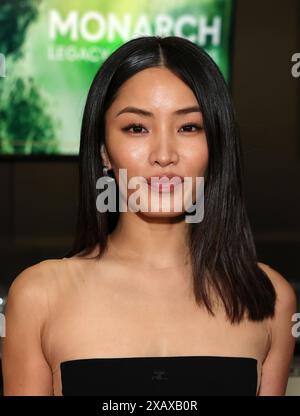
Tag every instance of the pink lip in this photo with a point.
(165, 178)
(164, 183)
(161, 188)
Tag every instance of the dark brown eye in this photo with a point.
(189, 128)
(137, 128)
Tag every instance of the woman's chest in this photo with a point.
(110, 313)
(117, 323)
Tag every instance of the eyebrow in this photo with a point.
(146, 113)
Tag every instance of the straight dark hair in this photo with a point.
(222, 248)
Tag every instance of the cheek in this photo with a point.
(126, 153)
(197, 159)
(129, 156)
(203, 162)
(132, 159)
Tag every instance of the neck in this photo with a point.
(153, 242)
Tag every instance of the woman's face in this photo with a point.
(147, 135)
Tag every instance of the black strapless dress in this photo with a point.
(160, 376)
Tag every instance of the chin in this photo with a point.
(161, 214)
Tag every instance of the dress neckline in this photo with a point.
(168, 357)
(63, 366)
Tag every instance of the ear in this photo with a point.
(104, 156)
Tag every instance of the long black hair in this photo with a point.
(222, 248)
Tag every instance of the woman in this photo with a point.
(146, 301)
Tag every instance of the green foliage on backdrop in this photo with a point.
(53, 50)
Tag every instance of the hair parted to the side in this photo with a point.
(222, 247)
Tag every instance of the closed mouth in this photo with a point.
(164, 183)
(165, 179)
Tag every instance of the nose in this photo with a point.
(164, 150)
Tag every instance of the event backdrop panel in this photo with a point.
(51, 50)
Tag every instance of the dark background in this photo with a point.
(39, 198)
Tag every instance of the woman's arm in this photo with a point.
(276, 366)
(25, 369)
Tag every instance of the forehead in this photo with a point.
(154, 89)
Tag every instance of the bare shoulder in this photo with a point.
(276, 365)
(285, 293)
(32, 285)
(26, 370)
(283, 287)
(37, 275)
